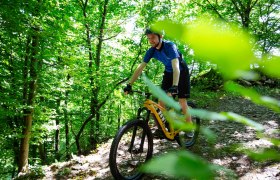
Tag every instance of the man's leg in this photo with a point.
(184, 106)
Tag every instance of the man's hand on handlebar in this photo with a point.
(173, 90)
(127, 89)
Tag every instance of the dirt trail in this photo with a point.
(95, 166)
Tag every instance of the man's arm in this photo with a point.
(137, 73)
(176, 71)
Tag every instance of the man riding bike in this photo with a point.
(176, 78)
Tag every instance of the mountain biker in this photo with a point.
(176, 78)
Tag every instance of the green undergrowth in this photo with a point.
(206, 98)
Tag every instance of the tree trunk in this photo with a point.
(94, 108)
(29, 101)
(95, 90)
(67, 144)
(80, 133)
(24, 146)
(244, 10)
(42, 153)
(57, 131)
(28, 112)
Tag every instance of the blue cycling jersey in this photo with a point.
(165, 54)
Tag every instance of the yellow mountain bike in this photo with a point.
(133, 144)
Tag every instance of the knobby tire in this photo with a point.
(188, 142)
(123, 164)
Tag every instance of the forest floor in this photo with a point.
(222, 152)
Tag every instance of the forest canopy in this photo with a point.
(63, 64)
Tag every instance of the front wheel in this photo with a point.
(131, 148)
(188, 139)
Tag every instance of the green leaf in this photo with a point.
(209, 134)
(271, 66)
(269, 102)
(273, 140)
(241, 119)
(182, 164)
(178, 121)
(225, 45)
(204, 114)
(160, 94)
(265, 155)
(208, 115)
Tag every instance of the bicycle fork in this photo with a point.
(144, 133)
(141, 145)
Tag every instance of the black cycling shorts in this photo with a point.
(183, 86)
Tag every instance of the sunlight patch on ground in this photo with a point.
(162, 146)
(267, 173)
(256, 144)
(272, 129)
(223, 161)
(93, 166)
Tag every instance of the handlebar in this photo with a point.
(146, 94)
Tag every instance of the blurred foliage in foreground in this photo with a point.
(230, 48)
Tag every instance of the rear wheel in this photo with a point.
(188, 139)
(131, 148)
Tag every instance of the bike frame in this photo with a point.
(150, 106)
